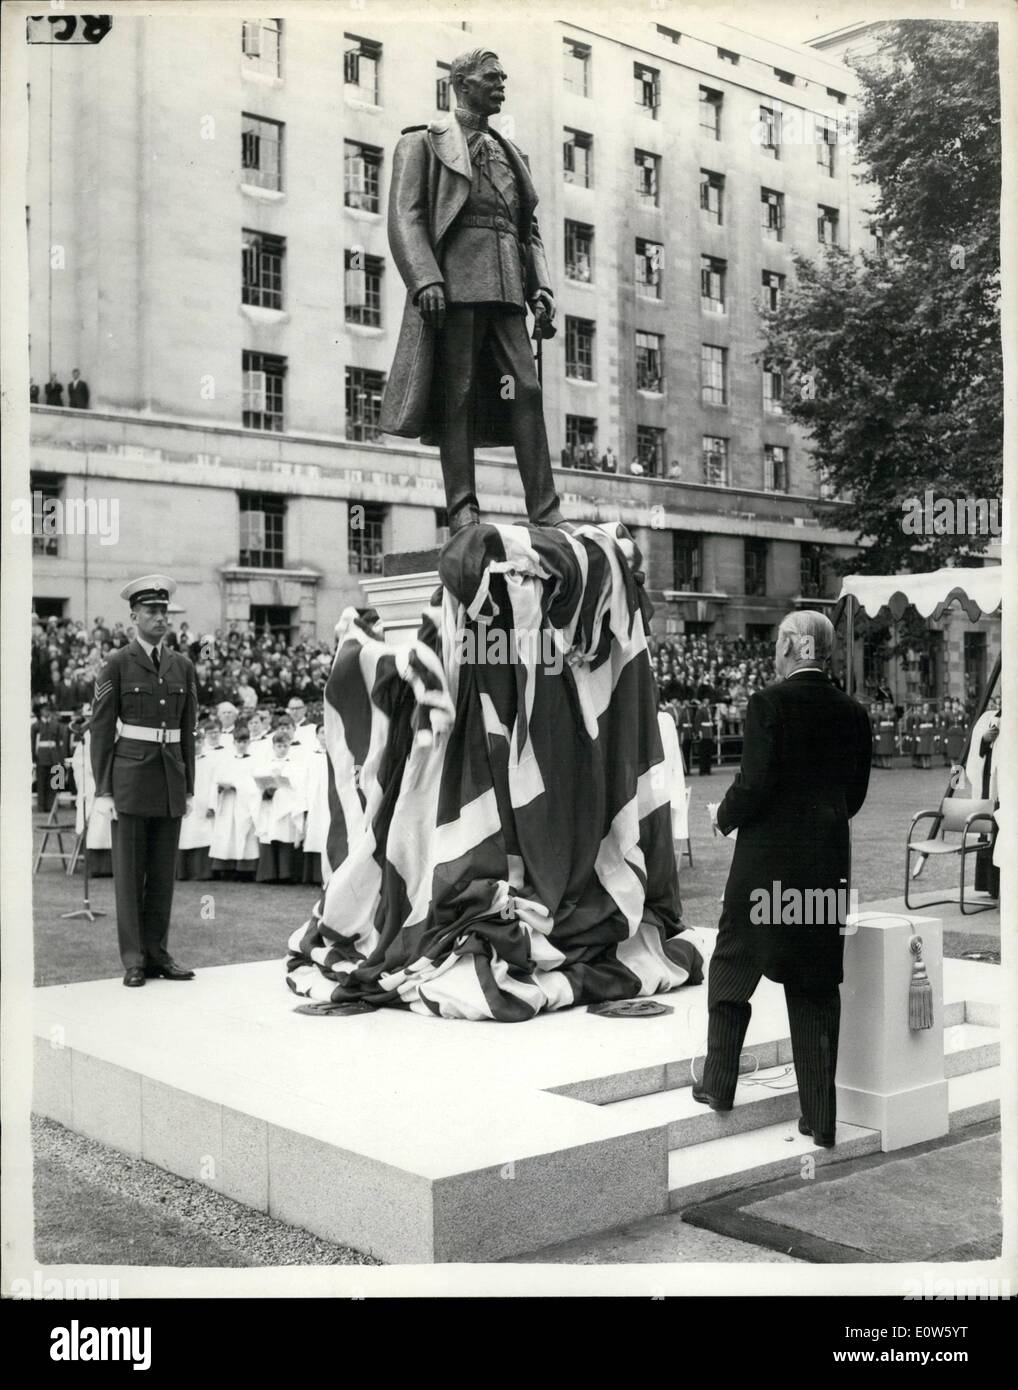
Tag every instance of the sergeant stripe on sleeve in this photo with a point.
(101, 690)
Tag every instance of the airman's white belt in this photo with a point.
(150, 735)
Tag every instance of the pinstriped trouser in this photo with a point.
(813, 1019)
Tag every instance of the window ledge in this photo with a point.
(365, 330)
(362, 214)
(358, 104)
(580, 381)
(263, 79)
(256, 313)
(579, 284)
(268, 195)
(649, 391)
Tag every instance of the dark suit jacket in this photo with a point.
(77, 394)
(805, 769)
(144, 779)
(430, 184)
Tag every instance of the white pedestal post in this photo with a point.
(889, 1077)
(400, 599)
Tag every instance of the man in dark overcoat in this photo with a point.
(804, 774)
(465, 239)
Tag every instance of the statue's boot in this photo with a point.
(466, 514)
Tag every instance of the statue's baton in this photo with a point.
(543, 328)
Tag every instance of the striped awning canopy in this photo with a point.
(979, 591)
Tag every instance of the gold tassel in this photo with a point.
(920, 991)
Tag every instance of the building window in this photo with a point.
(365, 529)
(686, 549)
(363, 403)
(363, 288)
(261, 46)
(576, 67)
(711, 103)
(712, 284)
(755, 566)
(773, 289)
(827, 225)
(273, 620)
(770, 131)
(579, 251)
(647, 88)
(262, 528)
(727, 56)
(775, 468)
(261, 152)
(772, 213)
(811, 571)
(580, 349)
(649, 261)
(773, 391)
(672, 35)
(712, 193)
(443, 87)
(362, 61)
(788, 78)
(647, 180)
(581, 441)
(362, 169)
(877, 233)
(650, 352)
(714, 372)
(46, 492)
(650, 450)
(262, 269)
(839, 97)
(714, 458)
(578, 158)
(263, 375)
(827, 142)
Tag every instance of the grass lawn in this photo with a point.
(224, 923)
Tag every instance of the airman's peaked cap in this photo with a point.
(150, 588)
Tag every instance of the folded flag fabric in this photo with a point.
(501, 823)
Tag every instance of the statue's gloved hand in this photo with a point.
(431, 305)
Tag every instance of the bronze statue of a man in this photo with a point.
(466, 242)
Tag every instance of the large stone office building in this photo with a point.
(207, 243)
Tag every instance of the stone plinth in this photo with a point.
(401, 595)
(891, 1078)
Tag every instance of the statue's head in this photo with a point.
(478, 80)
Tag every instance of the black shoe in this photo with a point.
(702, 1098)
(822, 1141)
(168, 971)
(134, 978)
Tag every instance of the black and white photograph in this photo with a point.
(506, 787)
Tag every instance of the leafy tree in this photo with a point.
(893, 359)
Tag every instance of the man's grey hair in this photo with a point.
(813, 633)
(467, 64)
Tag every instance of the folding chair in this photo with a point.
(957, 815)
(55, 828)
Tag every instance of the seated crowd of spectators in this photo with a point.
(240, 665)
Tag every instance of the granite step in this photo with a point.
(974, 1097)
(970, 1047)
(757, 1155)
(765, 1098)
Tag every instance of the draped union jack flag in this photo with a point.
(501, 836)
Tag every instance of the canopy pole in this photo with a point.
(850, 646)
